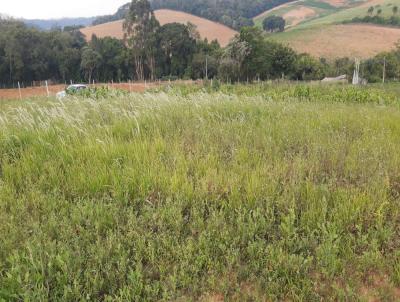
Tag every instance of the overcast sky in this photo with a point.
(50, 9)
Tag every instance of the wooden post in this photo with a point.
(19, 89)
(206, 67)
(384, 70)
(47, 89)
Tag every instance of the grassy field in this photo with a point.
(248, 193)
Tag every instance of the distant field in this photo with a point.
(207, 29)
(314, 27)
(302, 11)
(268, 192)
(326, 12)
(334, 41)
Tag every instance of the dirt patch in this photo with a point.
(212, 298)
(355, 40)
(298, 15)
(130, 87)
(41, 91)
(207, 29)
(378, 286)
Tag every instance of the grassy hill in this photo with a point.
(207, 29)
(316, 27)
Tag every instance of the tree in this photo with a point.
(307, 68)
(379, 12)
(114, 56)
(206, 60)
(274, 23)
(140, 27)
(395, 10)
(283, 59)
(371, 10)
(175, 48)
(90, 61)
(256, 61)
(233, 57)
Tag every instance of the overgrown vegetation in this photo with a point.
(262, 192)
(172, 51)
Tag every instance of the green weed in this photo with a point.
(259, 192)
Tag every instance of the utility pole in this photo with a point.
(384, 70)
(356, 75)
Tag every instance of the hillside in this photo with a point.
(207, 29)
(232, 13)
(316, 27)
(351, 40)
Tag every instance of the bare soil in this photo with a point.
(41, 91)
(298, 15)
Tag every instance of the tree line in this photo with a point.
(172, 51)
(375, 16)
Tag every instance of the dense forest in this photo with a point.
(172, 51)
(233, 13)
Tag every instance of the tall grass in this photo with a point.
(247, 193)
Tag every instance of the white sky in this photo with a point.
(51, 9)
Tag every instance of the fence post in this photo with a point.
(47, 89)
(19, 90)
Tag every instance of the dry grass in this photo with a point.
(355, 40)
(299, 14)
(110, 29)
(207, 29)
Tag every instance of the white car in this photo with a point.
(72, 89)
